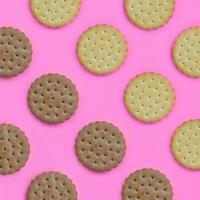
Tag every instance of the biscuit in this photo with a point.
(149, 14)
(102, 49)
(147, 184)
(55, 13)
(52, 186)
(53, 98)
(100, 146)
(186, 52)
(185, 144)
(15, 52)
(14, 149)
(149, 97)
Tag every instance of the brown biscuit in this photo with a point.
(15, 52)
(100, 146)
(53, 98)
(14, 149)
(147, 184)
(52, 186)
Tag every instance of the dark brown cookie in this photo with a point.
(14, 149)
(100, 146)
(53, 98)
(15, 52)
(52, 186)
(147, 184)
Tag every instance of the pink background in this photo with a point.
(101, 98)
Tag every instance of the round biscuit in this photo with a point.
(149, 14)
(146, 184)
(185, 144)
(186, 52)
(14, 149)
(102, 49)
(51, 185)
(100, 146)
(55, 13)
(149, 97)
(53, 98)
(15, 52)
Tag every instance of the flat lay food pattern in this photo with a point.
(99, 146)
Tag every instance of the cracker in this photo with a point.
(100, 146)
(147, 184)
(14, 149)
(149, 14)
(185, 144)
(102, 49)
(186, 52)
(53, 98)
(52, 186)
(15, 52)
(149, 97)
(55, 13)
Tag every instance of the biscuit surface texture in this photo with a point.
(147, 184)
(15, 52)
(52, 186)
(55, 13)
(102, 49)
(186, 144)
(53, 98)
(149, 14)
(149, 97)
(100, 146)
(14, 149)
(186, 52)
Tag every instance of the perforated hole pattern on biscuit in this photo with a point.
(15, 52)
(186, 51)
(149, 97)
(51, 186)
(53, 98)
(186, 144)
(149, 14)
(102, 49)
(147, 184)
(55, 12)
(100, 146)
(14, 149)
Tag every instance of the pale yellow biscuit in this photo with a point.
(149, 97)
(186, 144)
(149, 14)
(186, 52)
(55, 13)
(102, 49)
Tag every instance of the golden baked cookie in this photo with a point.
(102, 49)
